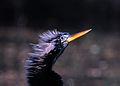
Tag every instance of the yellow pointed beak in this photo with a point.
(77, 35)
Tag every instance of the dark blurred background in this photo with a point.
(93, 60)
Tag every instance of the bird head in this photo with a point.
(55, 39)
(51, 45)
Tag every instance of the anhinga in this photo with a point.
(44, 54)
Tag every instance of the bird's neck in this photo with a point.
(40, 68)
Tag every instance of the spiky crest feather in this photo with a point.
(49, 35)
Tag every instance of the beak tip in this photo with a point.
(89, 30)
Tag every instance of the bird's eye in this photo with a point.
(61, 37)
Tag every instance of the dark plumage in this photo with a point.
(44, 55)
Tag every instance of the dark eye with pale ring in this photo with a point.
(61, 37)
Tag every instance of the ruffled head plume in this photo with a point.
(49, 35)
